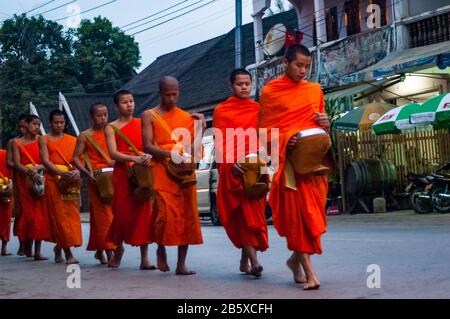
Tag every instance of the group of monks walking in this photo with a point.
(154, 194)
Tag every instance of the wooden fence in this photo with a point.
(417, 152)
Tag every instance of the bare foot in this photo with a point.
(101, 257)
(58, 255)
(6, 253)
(161, 260)
(184, 271)
(115, 261)
(297, 271)
(256, 271)
(313, 283)
(147, 266)
(39, 257)
(244, 267)
(71, 260)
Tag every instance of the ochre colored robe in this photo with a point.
(131, 218)
(101, 214)
(34, 221)
(65, 220)
(243, 218)
(5, 207)
(176, 221)
(299, 215)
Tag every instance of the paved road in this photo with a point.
(413, 253)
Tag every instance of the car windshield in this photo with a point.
(208, 156)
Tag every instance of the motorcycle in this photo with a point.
(440, 195)
(419, 189)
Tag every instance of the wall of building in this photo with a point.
(416, 7)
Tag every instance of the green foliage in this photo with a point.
(107, 57)
(38, 59)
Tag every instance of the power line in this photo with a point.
(188, 27)
(154, 14)
(176, 17)
(41, 13)
(42, 5)
(88, 10)
(166, 15)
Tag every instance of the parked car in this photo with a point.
(207, 182)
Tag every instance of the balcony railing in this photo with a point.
(430, 30)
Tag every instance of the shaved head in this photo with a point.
(168, 82)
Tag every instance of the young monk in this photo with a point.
(56, 149)
(98, 157)
(21, 129)
(176, 221)
(34, 223)
(132, 217)
(292, 105)
(5, 204)
(242, 217)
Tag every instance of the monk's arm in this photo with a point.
(79, 151)
(16, 160)
(10, 154)
(43, 150)
(112, 148)
(33, 172)
(147, 137)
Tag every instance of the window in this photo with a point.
(352, 18)
(332, 24)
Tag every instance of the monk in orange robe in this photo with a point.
(176, 221)
(5, 204)
(56, 149)
(291, 105)
(131, 217)
(21, 129)
(34, 223)
(243, 218)
(101, 215)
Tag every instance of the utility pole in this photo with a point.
(239, 43)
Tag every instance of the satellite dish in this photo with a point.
(275, 39)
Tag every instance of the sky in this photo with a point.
(213, 18)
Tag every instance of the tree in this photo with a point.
(278, 6)
(36, 62)
(107, 58)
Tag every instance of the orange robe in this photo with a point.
(101, 214)
(176, 221)
(34, 221)
(65, 221)
(243, 218)
(132, 219)
(5, 207)
(299, 215)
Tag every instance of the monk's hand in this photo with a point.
(237, 170)
(200, 117)
(292, 141)
(37, 178)
(144, 159)
(76, 174)
(323, 120)
(91, 177)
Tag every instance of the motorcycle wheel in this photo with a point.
(441, 204)
(420, 205)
